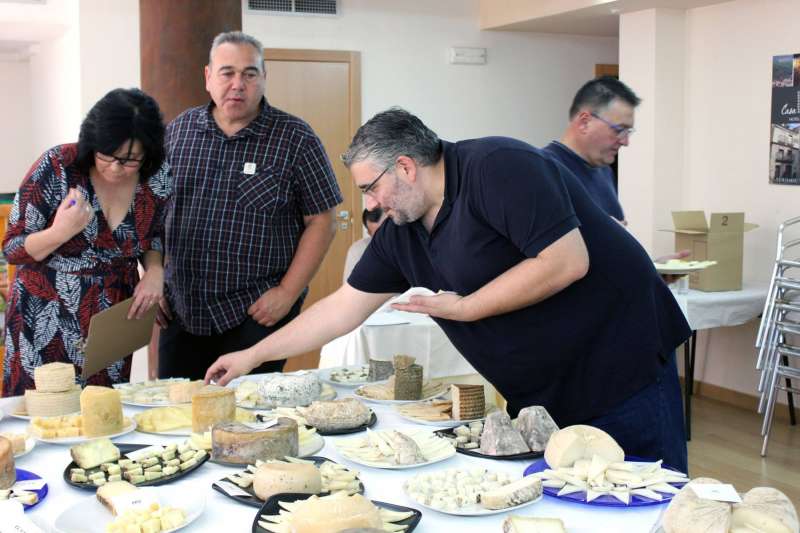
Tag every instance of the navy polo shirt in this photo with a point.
(599, 181)
(580, 352)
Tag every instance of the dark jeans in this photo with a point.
(650, 423)
(182, 354)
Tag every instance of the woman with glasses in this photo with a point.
(84, 217)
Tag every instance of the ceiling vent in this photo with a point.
(295, 7)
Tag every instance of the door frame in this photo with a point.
(354, 90)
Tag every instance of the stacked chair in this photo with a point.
(778, 339)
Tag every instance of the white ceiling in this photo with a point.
(600, 20)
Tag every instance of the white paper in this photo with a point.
(249, 168)
(29, 484)
(231, 489)
(142, 452)
(137, 499)
(14, 519)
(261, 425)
(720, 492)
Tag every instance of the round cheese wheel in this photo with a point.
(765, 509)
(688, 513)
(581, 442)
(275, 478)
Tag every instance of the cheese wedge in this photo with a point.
(520, 491)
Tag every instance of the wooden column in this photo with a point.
(175, 37)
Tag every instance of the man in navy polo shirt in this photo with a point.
(546, 296)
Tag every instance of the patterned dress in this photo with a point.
(51, 301)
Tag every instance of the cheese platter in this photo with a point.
(152, 393)
(29, 489)
(335, 511)
(345, 376)
(129, 425)
(394, 449)
(240, 486)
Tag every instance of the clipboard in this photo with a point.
(112, 336)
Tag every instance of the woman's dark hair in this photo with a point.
(120, 115)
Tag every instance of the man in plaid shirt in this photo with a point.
(250, 220)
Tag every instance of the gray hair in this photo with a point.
(238, 38)
(390, 134)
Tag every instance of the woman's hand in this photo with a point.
(148, 292)
(73, 214)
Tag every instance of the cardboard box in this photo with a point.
(721, 240)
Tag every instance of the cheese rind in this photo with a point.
(8, 473)
(232, 442)
(211, 405)
(101, 411)
(38, 403)
(108, 491)
(276, 478)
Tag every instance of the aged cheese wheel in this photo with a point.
(765, 509)
(275, 478)
(334, 513)
(39, 403)
(688, 513)
(581, 442)
(101, 411)
(233, 442)
(8, 475)
(182, 391)
(210, 405)
(54, 377)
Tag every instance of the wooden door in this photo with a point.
(324, 89)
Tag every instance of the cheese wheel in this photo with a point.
(8, 474)
(38, 403)
(581, 442)
(334, 513)
(765, 509)
(101, 411)
(54, 377)
(688, 513)
(275, 478)
(233, 442)
(182, 391)
(210, 405)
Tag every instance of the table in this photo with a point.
(224, 514)
(706, 310)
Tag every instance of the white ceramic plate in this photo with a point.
(90, 516)
(30, 444)
(158, 384)
(444, 391)
(130, 425)
(325, 375)
(177, 432)
(471, 510)
(448, 451)
(437, 423)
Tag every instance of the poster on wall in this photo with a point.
(784, 141)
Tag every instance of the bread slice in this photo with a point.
(107, 492)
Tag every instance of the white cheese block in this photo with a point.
(688, 513)
(515, 493)
(531, 524)
(581, 442)
(54, 377)
(767, 510)
(275, 478)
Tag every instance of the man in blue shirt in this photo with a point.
(546, 296)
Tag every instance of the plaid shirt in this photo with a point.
(236, 214)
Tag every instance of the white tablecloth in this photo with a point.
(706, 310)
(387, 333)
(224, 514)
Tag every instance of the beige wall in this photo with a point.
(15, 136)
(523, 91)
(719, 128)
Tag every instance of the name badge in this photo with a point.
(249, 168)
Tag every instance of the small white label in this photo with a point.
(136, 499)
(155, 449)
(231, 489)
(261, 425)
(29, 484)
(14, 519)
(249, 168)
(720, 492)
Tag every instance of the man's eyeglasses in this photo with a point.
(124, 161)
(366, 189)
(619, 129)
